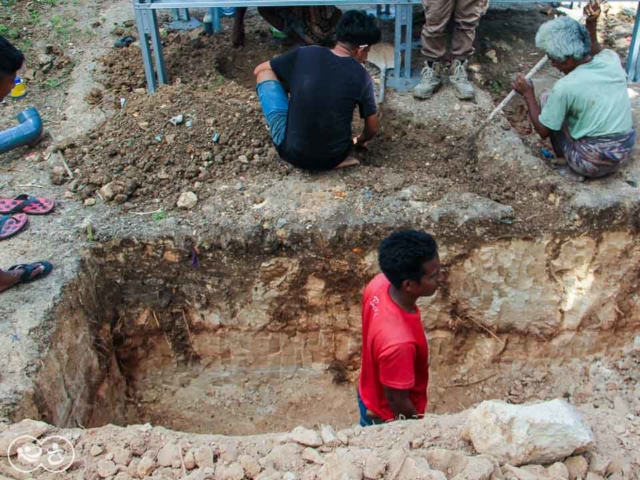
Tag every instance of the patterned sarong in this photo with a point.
(594, 156)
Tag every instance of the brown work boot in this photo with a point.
(430, 82)
(460, 81)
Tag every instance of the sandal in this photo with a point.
(9, 226)
(26, 204)
(28, 270)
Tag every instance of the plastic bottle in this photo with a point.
(19, 90)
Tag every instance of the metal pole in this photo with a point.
(156, 43)
(633, 65)
(144, 48)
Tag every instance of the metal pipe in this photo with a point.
(26, 133)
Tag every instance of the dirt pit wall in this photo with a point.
(251, 343)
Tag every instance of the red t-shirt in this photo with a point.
(395, 352)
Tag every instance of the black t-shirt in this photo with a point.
(324, 91)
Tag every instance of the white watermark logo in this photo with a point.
(53, 454)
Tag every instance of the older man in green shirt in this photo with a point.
(587, 114)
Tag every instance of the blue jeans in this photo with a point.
(364, 420)
(275, 106)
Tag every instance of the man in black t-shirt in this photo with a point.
(311, 126)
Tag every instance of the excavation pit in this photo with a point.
(249, 344)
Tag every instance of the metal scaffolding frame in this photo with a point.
(399, 78)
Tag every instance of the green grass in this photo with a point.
(161, 215)
(61, 27)
(496, 87)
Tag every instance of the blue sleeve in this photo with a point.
(368, 104)
(284, 65)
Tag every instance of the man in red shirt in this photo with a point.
(395, 353)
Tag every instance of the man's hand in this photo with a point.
(522, 85)
(358, 143)
(592, 11)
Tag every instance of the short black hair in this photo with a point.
(11, 59)
(402, 255)
(357, 28)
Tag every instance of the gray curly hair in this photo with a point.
(563, 38)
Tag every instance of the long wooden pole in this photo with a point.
(508, 98)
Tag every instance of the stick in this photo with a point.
(165, 333)
(184, 469)
(66, 165)
(488, 331)
(470, 383)
(509, 97)
(32, 185)
(146, 213)
(186, 324)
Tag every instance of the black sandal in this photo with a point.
(29, 269)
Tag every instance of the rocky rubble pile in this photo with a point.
(428, 449)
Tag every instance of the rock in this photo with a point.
(341, 466)
(558, 471)
(145, 467)
(343, 438)
(243, 159)
(417, 443)
(598, 464)
(619, 429)
(536, 470)
(89, 202)
(289, 476)
(17, 435)
(374, 468)
(109, 456)
(58, 175)
(417, 468)
(187, 200)
(491, 55)
(69, 195)
(106, 468)
(515, 473)
(283, 457)
(132, 469)
(96, 450)
(202, 474)
(189, 460)
(206, 156)
(577, 467)
(520, 434)
(121, 456)
(306, 436)
(312, 455)
(44, 59)
(328, 435)
(457, 464)
(232, 472)
(250, 465)
(620, 406)
(618, 465)
(123, 476)
(204, 456)
(593, 476)
(108, 191)
(228, 452)
(168, 455)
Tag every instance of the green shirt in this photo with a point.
(592, 99)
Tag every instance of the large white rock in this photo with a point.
(519, 434)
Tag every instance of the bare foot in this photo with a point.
(570, 175)
(347, 162)
(9, 279)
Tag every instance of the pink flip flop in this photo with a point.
(9, 226)
(26, 204)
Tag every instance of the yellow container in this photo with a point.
(19, 90)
